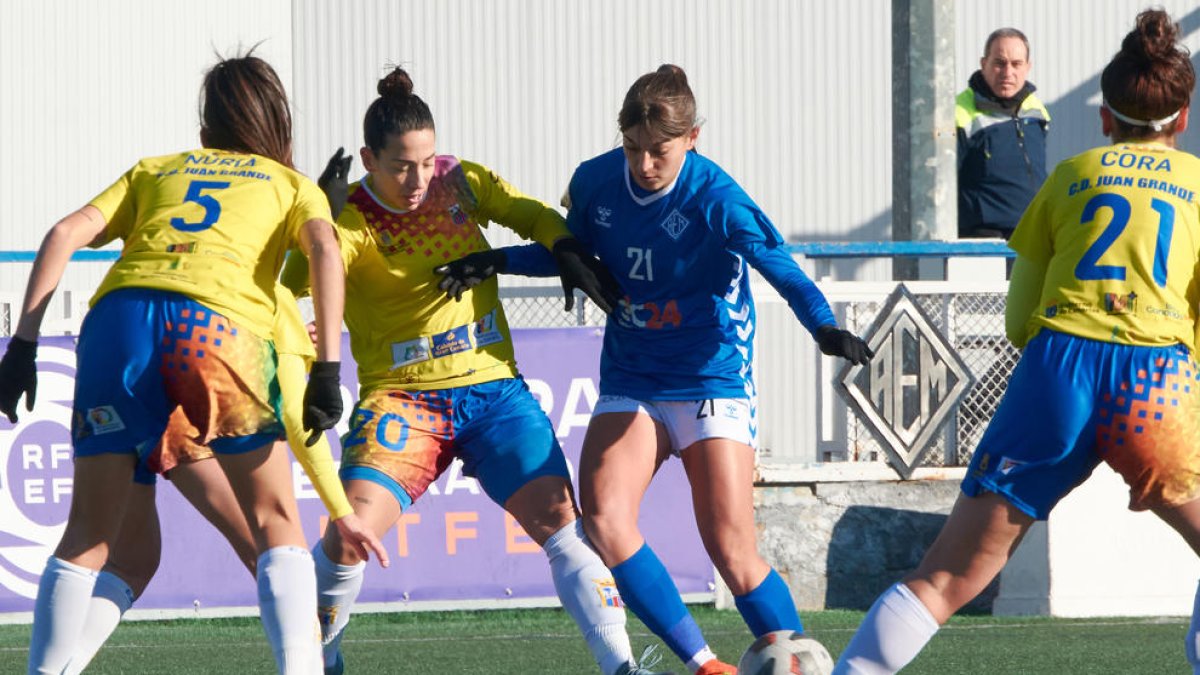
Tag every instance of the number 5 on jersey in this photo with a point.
(212, 207)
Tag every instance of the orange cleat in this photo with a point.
(715, 667)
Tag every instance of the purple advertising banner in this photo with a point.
(454, 544)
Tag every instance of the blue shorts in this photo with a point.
(1073, 403)
(144, 353)
(403, 440)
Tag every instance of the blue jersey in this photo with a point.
(686, 329)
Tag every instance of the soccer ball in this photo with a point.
(785, 652)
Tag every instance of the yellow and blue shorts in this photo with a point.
(179, 445)
(403, 439)
(143, 354)
(1073, 403)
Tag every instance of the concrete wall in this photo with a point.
(840, 544)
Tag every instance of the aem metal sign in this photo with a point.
(912, 385)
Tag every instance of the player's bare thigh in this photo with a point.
(621, 453)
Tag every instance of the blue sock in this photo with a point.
(648, 590)
(769, 607)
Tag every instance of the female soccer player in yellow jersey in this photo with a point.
(1104, 300)
(437, 376)
(183, 320)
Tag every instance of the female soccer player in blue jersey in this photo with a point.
(182, 321)
(437, 378)
(1103, 298)
(675, 374)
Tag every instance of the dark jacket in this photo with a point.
(1001, 156)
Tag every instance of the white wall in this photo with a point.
(90, 87)
(796, 94)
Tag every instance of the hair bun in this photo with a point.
(673, 72)
(395, 85)
(1154, 38)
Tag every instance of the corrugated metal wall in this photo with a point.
(89, 88)
(795, 94)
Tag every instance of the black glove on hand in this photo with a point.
(580, 269)
(18, 375)
(333, 181)
(322, 399)
(470, 270)
(837, 342)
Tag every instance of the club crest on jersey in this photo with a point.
(457, 215)
(603, 216)
(675, 224)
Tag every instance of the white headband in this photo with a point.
(1156, 125)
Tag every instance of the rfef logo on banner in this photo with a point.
(36, 475)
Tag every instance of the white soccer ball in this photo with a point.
(785, 652)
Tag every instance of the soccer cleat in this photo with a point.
(338, 666)
(643, 665)
(716, 667)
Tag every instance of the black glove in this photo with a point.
(322, 399)
(470, 271)
(580, 269)
(333, 181)
(18, 375)
(837, 342)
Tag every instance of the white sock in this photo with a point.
(1193, 637)
(700, 658)
(337, 589)
(588, 593)
(111, 598)
(64, 592)
(287, 602)
(894, 631)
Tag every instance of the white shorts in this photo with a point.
(690, 421)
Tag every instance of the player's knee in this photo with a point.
(337, 550)
(608, 532)
(741, 568)
(542, 507)
(137, 576)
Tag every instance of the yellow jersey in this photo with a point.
(1117, 229)
(209, 224)
(404, 332)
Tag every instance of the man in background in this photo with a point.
(1001, 139)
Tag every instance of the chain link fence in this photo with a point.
(972, 323)
(542, 307)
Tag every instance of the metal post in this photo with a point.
(924, 164)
